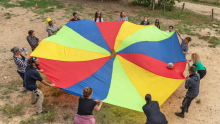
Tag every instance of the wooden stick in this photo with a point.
(182, 8)
(212, 14)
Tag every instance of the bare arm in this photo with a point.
(98, 107)
(188, 63)
(179, 34)
(44, 82)
(41, 71)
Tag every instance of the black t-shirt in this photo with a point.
(30, 78)
(86, 106)
(152, 111)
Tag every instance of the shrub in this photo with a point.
(141, 2)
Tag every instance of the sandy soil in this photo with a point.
(201, 9)
(13, 32)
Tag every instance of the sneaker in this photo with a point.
(179, 114)
(186, 109)
(43, 112)
(23, 89)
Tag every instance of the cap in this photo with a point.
(48, 20)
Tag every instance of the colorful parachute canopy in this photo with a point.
(78, 56)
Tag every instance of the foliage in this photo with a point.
(169, 4)
(141, 2)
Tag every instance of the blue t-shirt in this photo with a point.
(30, 78)
(121, 19)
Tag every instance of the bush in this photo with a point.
(169, 4)
(141, 2)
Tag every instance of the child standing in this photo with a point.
(184, 43)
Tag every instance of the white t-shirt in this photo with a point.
(97, 20)
(168, 31)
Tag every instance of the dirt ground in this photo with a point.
(201, 9)
(13, 32)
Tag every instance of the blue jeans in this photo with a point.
(22, 76)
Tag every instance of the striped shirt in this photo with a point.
(21, 63)
(33, 41)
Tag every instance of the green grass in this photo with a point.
(9, 110)
(214, 41)
(57, 93)
(198, 101)
(209, 3)
(28, 121)
(7, 15)
(65, 116)
(44, 6)
(6, 92)
(55, 102)
(39, 86)
(206, 38)
(49, 117)
(188, 22)
(70, 9)
(194, 44)
(7, 97)
(2, 97)
(65, 106)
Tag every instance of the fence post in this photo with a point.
(153, 4)
(212, 14)
(164, 5)
(182, 8)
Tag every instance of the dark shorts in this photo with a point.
(202, 73)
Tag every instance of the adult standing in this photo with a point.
(75, 17)
(145, 21)
(192, 84)
(200, 68)
(32, 40)
(86, 106)
(98, 17)
(51, 28)
(157, 23)
(123, 17)
(31, 76)
(152, 111)
(20, 61)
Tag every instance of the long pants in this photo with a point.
(40, 99)
(202, 73)
(186, 103)
(22, 76)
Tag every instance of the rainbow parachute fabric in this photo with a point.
(120, 60)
